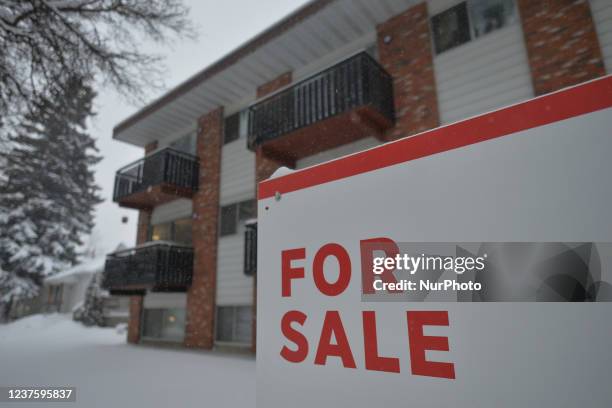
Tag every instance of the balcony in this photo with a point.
(162, 267)
(346, 102)
(156, 179)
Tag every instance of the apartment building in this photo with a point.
(333, 78)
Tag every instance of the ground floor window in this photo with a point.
(164, 324)
(234, 324)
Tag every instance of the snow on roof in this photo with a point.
(89, 267)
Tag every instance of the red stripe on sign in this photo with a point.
(579, 100)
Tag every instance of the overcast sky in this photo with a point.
(222, 26)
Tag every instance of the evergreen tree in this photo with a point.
(91, 312)
(47, 191)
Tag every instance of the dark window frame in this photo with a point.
(462, 11)
(161, 313)
(242, 211)
(234, 324)
(172, 230)
(250, 249)
(231, 212)
(231, 128)
(466, 13)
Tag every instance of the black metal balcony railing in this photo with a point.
(160, 266)
(352, 83)
(168, 166)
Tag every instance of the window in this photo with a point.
(164, 324)
(186, 144)
(232, 128)
(176, 231)
(236, 126)
(234, 324)
(250, 249)
(182, 231)
(454, 27)
(161, 232)
(244, 123)
(490, 15)
(451, 28)
(233, 214)
(228, 219)
(246, 210)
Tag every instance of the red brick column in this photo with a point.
(404, 49)
(562, 44)
(264, 167)
(201, 295)
(142, 230)
(133, 334)
(274, 85)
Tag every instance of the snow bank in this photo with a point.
(55, 328)
(53, 350)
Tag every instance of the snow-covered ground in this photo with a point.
(53, 350)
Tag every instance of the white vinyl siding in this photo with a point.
(233, 286)
(160, 300)
(237, 172)
(237, 184)
(602, 15)
(484, 74)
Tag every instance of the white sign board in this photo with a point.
(533, 172)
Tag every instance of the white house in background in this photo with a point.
(65, 291)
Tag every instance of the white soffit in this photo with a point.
(320, 34)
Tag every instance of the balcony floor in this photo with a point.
(326, 134)
(154, 196)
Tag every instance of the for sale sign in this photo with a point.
(467, 266)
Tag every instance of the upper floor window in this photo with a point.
(232, 128)
(470, 19)
(178, 231)
(236, 126)
(451, 28)
(233, 214)
(186, 144)
(490, 15)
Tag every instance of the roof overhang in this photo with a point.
(311, 33)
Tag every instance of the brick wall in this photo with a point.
(199, 330)
(133, 334)
(273, 85)
(149, 147)
(562, 44)
(142, 229)
(408, 58)
(264, 167)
